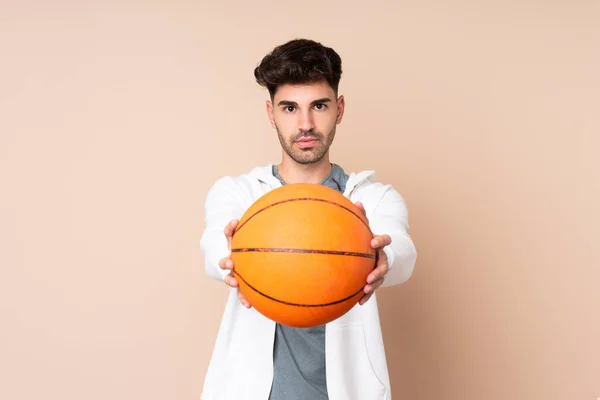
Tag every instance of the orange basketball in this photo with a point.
(302, 254)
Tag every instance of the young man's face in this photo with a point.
(305, 116)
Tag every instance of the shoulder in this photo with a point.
(247, 177)
(245, 185)
(377, 193)
(367, 185)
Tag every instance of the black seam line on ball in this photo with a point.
(301, 199)
(305, 251)
(237, 275)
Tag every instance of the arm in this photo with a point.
(223, 204)
(390, 216)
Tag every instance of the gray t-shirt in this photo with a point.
(299, 353)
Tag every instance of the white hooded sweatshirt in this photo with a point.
(241, 366)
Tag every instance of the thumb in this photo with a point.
(229, 231)
(360, 206)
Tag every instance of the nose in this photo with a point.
(305, 122)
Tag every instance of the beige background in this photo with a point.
(116, 118)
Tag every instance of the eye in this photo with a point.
(289, 109)
(320, 106)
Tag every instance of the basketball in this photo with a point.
(302, 254)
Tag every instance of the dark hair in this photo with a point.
(299, 61)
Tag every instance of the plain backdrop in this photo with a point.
(117, 117)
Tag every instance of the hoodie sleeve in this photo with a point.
(390, 216)
(223, 204)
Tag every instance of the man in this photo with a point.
(254, 357)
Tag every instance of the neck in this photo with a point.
(292, 172)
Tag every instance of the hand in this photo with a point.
(376, 277)
(227, 263)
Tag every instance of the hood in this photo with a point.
(264, 174)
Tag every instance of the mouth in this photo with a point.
(306, 142)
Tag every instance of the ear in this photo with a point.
(341, 105)
(269, 106)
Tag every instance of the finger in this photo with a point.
(370, 288)
(226, 263)
(243, 300)
(381, 241)
(231, 281)
(360, 206)
(230, 228)
(378, 272)
(365, 298)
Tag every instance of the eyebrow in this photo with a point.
(293, 103)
